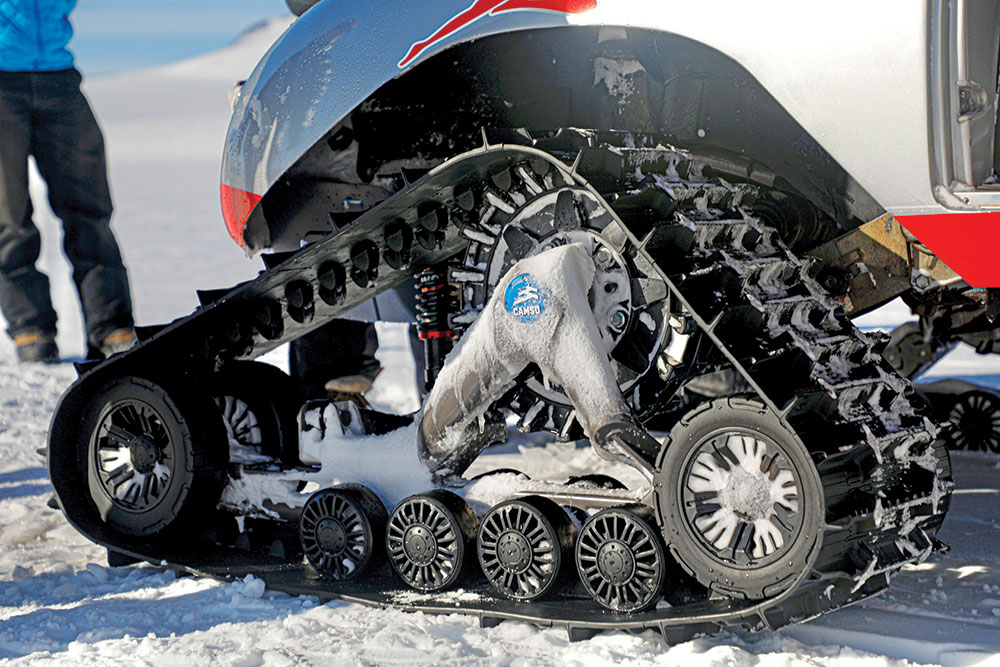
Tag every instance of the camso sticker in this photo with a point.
(523, 299)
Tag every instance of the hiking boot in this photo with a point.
(117, 341)
(34, 347)
(352, 387)
(349, 384)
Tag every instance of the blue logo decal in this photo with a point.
(523, 299)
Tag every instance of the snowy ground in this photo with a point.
(60, 605)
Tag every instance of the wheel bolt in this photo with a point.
(604, 258)
(618, 320)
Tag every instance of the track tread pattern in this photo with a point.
(886, 474)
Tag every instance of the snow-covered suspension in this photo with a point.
(539, 314)
(519, 218)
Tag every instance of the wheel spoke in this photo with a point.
(427, 544)
(735, 485)
(623, 565)
(337, 534)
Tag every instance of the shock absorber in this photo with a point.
(436, 300)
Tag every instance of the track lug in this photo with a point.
(364, 263)
(145, 333)
(268, 321)
(118, 559)
(467, 199)
(398, 243)
(83, 367)
(502, 180)
(208, 297)
(301, 306)
(332, 283)
(273, 259)
(577, 634)
(432, 217)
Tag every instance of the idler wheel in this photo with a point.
(340, 530)
(525, 547)
(429, 537)
(740, 499)
(260, 406)
(155, 455)
(621, 559)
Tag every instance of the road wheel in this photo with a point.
(621, 560)
(525, 547)
(431, 539)
(341, 531)
(155, 458)
(976, 416)
(739, 498)
(260, 406)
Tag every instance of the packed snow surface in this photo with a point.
(60, 603)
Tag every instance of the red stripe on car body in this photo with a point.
(481, 8)
(236, 208)
(969, 243)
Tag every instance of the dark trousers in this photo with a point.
(340, 348)
(45, 115)
(336, 349)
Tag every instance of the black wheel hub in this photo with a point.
(133, 456)
(143, 454)
(514, 552)
(615, 562)
(419, 545)
(331, 536)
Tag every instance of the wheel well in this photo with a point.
(635, 81)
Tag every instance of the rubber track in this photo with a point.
(886, 488)
(885, 472)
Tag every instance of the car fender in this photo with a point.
(340, 52)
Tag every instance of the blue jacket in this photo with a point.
(34, 34)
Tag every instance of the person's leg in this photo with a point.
(24, 291)
(69, 150)
(338, 349)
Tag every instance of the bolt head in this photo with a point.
(604, 257)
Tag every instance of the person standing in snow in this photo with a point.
(44, 114)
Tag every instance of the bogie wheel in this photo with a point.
(341, 531)
(259, 405)
(976, 416)
(621, 558)
(156, 458)
(740, 500)
(429, 539)
(525, 547)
